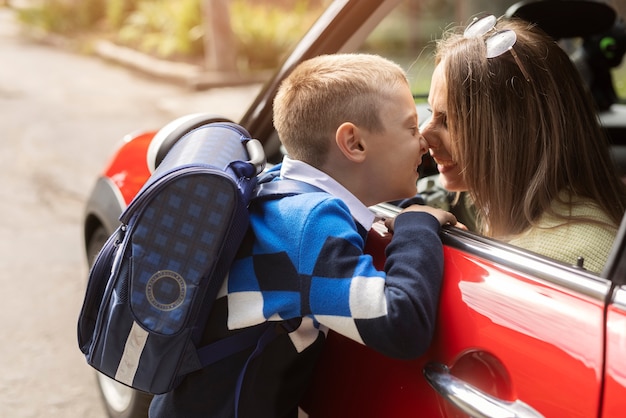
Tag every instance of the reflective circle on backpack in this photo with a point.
(166, 290)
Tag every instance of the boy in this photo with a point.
(349, 125)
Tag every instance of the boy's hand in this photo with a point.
(444, 217)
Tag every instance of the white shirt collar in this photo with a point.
(301, 171)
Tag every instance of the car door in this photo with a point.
(517, 332)
(614, 396)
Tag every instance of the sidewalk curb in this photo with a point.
(192, 76)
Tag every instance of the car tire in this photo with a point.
(120, 400)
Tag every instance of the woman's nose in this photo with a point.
(429, 136)
(423, 144)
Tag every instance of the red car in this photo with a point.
(519, 335)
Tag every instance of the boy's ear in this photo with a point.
(350, 142)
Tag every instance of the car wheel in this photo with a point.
(120, 400)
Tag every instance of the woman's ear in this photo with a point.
(350, 142)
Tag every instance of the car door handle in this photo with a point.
(471, 400)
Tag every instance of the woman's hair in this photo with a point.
(521, 142)
(326, 91)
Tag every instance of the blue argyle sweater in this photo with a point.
(303, 258)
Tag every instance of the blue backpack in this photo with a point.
(153, 284)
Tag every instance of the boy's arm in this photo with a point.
(414, 272)
(394, 311)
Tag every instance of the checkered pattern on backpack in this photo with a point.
(180, 228)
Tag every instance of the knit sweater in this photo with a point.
(566, 241)
(303, 258)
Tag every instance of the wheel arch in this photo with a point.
(104, 206)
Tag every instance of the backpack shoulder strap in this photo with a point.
(267, 188)
(283, 188)
(261, 335)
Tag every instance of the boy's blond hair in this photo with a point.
(326, 91)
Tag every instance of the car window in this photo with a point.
(407, 35)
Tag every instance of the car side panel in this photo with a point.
(615, 374)
(547, 339)
(513, 336)
(128, 168)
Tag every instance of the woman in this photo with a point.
(514, 126)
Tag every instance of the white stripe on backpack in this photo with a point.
(133, 348)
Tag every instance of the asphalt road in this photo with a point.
(61, 115)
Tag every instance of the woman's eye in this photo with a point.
(442, 119)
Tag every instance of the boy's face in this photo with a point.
(395, 154)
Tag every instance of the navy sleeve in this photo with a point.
(414, 271)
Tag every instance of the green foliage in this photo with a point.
(265, 32)
(64, 16)
(619, 79)
(166, 28)
(117, 11)
(49, 18)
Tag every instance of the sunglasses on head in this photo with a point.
(498, 43)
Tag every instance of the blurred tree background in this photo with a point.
(248, 36)
(221, 35)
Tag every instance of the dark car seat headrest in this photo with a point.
(566, 18)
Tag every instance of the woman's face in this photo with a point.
(437, 134)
